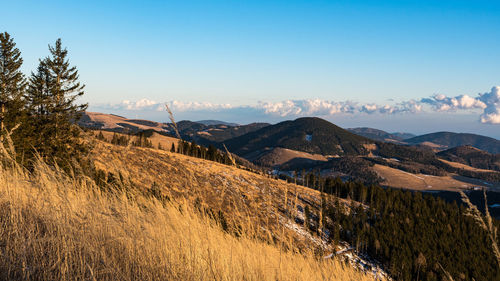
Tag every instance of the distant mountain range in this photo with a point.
(309, 143)
(437, 141)
(311, 135)
(216, 122)
(203, 132)
(380, 135)
(445, 140)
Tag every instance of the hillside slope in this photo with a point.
(56, 227)
(243, 196)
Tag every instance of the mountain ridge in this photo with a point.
(380, 135)
(449, 140)
(307, 134)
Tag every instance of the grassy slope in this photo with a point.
(255, 203)
(54, 227)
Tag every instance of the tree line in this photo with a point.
(208, 153)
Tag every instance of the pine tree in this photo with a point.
(12, 83)
(51, 97)
(114, 140)
(100, 136)
(172, 149)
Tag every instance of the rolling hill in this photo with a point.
(210, 134)
(204, 132)
(472, 156)
(310, 134)
(116, 123)
(445, 140)
(216, 122)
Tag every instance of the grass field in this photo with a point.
(57, 227)
(401, 179)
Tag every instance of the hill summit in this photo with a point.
(308, 134)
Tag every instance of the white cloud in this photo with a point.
(488, 102)
(198, 106)
(410, 106)
(142, 104)
(441, 102)
(491, 114)
(369, 108)
(306, 107)
(150, 105)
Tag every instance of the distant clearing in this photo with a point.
(463, 166)
(401, 179)
(280, 156)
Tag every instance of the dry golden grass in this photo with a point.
(54, 227)
(252, 202)
(279, 156)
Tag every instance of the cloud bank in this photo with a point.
(488, 103)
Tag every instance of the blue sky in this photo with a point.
(241, 60)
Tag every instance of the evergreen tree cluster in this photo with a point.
(142, 141)
(412, 234)
(120, 139)
(39, 113)
(208, 153)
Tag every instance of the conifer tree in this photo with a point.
(12, 83)
(53, 90)
(100, 136)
